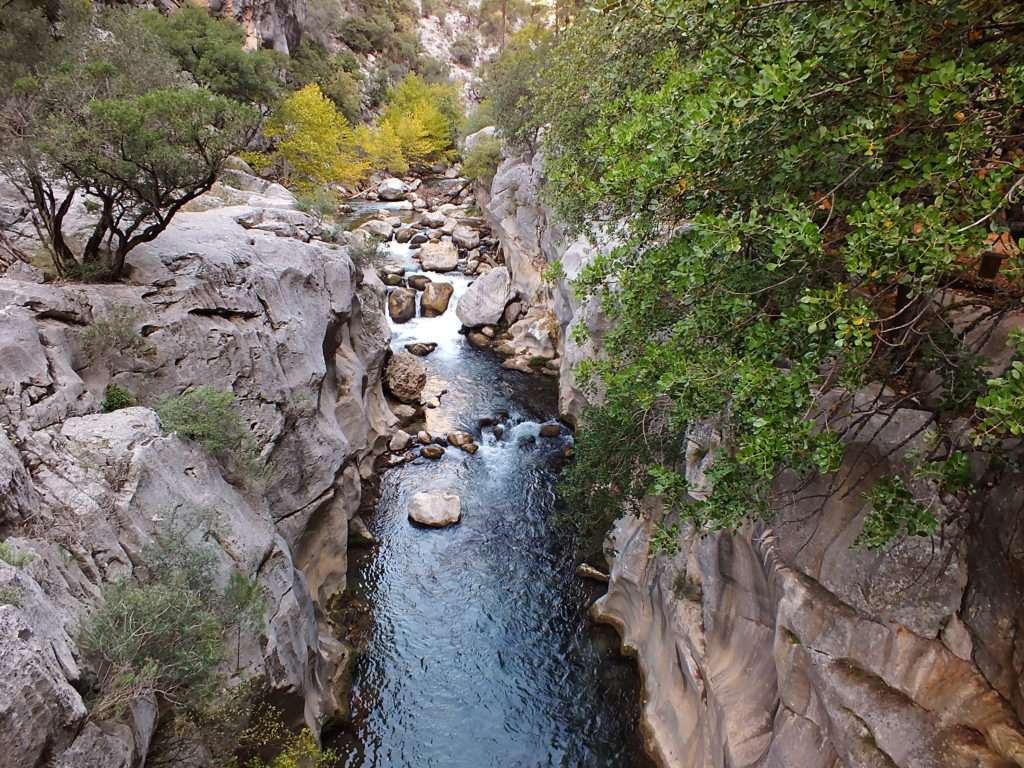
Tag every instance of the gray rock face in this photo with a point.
(465, 237)
(484, 301)
(300, 337)
(439, 257)
(435, 510)
(406, 377)
(435, 299)
(392, 189)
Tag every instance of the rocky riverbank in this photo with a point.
(780, 645)
(235, 295)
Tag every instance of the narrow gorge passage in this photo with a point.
(481, 651)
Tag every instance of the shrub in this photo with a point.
(894, 513)
(481, 117)
(115, 398)
(165, 633)
(11, 556)
(210, 417)
(665, 539)
(10, 595)
(553, 273)
(116, 331)
(319, 203)
(370, 253)
(464, 51)
(483, 159)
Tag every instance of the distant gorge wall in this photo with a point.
(780, 646)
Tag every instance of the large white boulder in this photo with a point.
(484, 301)
(392, 189)
(439, 257)
(435, 509)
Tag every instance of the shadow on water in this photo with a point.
(481, 652)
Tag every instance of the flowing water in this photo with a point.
(481, 652)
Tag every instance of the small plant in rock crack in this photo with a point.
(665, 539)
(115, 332)
(12, 556)
(210, 417)
(10, 595)
(115, 398)
(894, 512)
(368, 254)
(686, 588)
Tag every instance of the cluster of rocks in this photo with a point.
(496, 317)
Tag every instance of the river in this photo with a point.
(481, 652)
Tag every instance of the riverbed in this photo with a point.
(481, 652)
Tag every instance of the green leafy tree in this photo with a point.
(106, 116)
(313, 142)
(212, 50)
(793, 182)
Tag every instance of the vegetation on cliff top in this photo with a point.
(807, 192)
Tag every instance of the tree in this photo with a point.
(795, 184)
(314, 143)
(212, 51)
(143, 159)
(103, 115)
(424, 116)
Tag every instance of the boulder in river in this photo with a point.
(405, 234)
(378, 228)
(478, 340)
(458, 438)
(424, 437)
(485, 300)
(421, 348)
(392, 189)
(433, 219)
(432, 451)
(465, 237)
(402, 305)
(405, 377)
(418, 239)
(435, 299)
(400, 441)
(419, 282)
(550, 430)
(441, 257)
(587, 571)
(435, 509)
(392, 280)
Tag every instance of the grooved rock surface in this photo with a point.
(299, 335)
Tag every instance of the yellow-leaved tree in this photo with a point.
(424, 117)
(314, 143)
(382, 147)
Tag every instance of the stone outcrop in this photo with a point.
(298, 335)
(780, 645)
(484, 301)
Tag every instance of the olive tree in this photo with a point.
(101, 112)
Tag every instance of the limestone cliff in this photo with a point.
(236, 297)
(780, 645)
